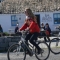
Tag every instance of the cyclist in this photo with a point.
(31, 25)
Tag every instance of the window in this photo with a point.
(56, 17)
(14, 20)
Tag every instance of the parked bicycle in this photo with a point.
(19, 50)
(55, 43)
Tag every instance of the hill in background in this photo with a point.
(18, 6)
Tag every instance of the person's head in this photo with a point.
(42, 24)
(47, 25)
(29, 13)
(17, 25)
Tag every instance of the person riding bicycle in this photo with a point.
(31, 25)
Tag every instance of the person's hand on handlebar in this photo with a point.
(27, 29)
(18, 33)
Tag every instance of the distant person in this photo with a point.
(47, 31)
(42, 29)
(1, 30)
(16, 28)
(42, 26)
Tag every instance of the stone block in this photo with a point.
(7, 40)
(6, 48)
(11, 43)
(2, 49)
(1, 40)
(3, 44)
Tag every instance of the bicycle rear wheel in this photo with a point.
(55, 46)
(45, 51)
(16, 52)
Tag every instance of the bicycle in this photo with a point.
(54, 44)
(18, 50)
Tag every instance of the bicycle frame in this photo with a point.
(18, 47)
(22, 41)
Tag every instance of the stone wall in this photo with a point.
(6, 42)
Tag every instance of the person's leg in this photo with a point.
(44, 37)
(33, 37)
(48, 38)
(27, 38)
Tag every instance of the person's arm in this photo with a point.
(23, 27)
(32, 25)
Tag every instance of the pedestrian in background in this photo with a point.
(1, 30)
(47, 31)
(16, 28)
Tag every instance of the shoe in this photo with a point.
(29, 53)
(45, 41)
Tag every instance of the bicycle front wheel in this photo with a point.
(55, 46)
(45, 51)
(16, 52)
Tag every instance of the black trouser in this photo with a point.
(44, 35)
(31, 38)
(47, 38)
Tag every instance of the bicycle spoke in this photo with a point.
(45, 51)
(16, 52)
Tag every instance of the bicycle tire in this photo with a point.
(46, 51)
(54, 46)
(14, 51)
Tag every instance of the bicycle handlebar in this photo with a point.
(22, 33)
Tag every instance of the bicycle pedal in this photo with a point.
(30, 54)
(42, 51)
(15, 50)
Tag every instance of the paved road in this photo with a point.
(3, 56)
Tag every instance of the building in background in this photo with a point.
(10, 20)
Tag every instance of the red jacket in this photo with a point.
(33, 27)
